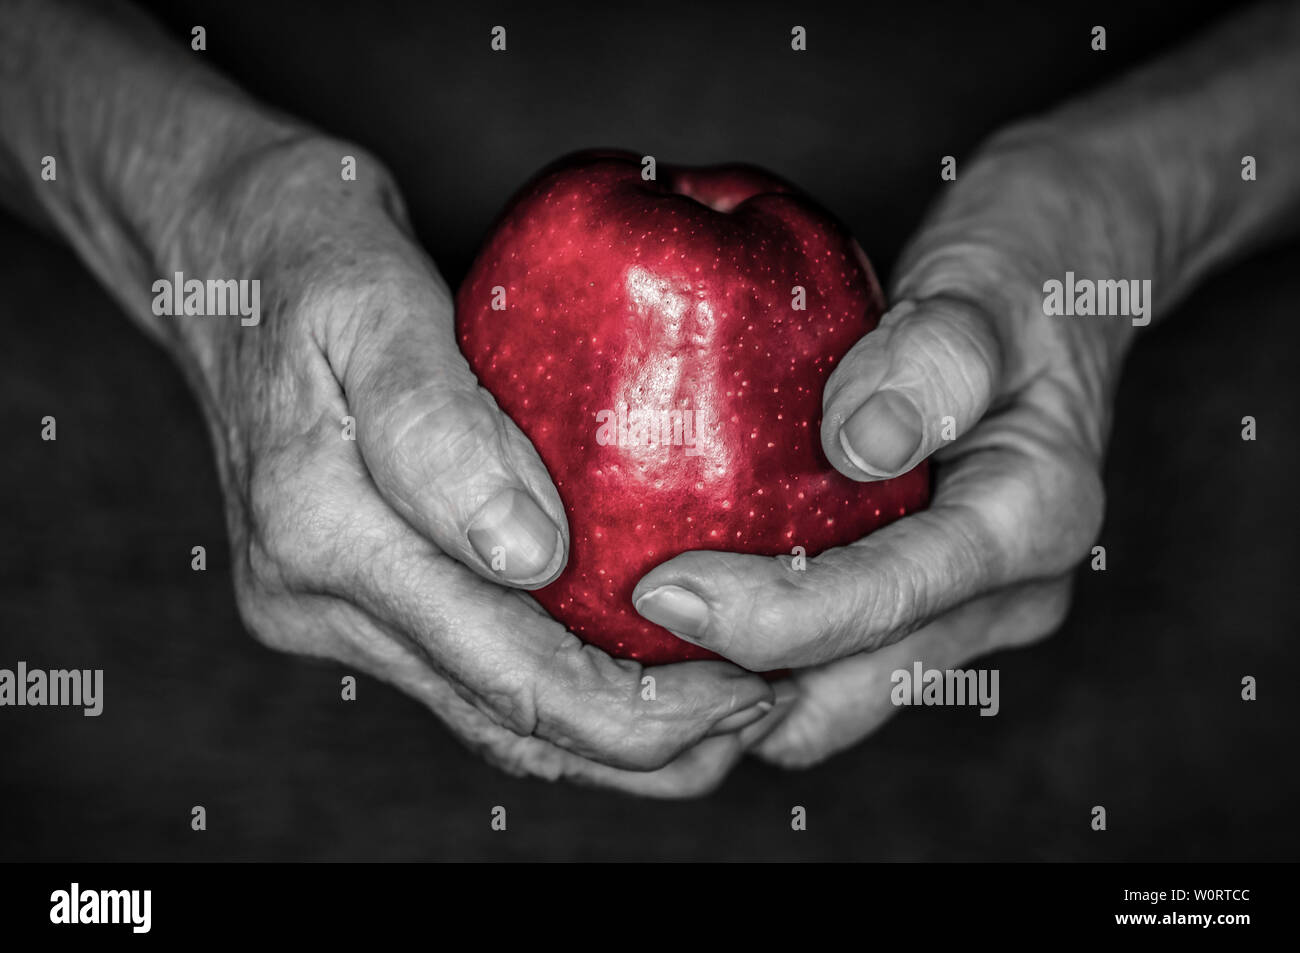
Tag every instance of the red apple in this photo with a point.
(647, 336)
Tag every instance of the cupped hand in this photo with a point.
(384, 512)
(1012, 405)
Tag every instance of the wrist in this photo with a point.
(1036, 206)
(1030, 210)
(282, 222)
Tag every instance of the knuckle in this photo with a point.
(263, 565)
(258, 612)
(954, 360)
(544, 697)
(982, 538)
(525, 757)
(886, 603)
(643, 747)
(1091, 507)
(589, 703)
(455, 423)
(764, 631)
(801, 742)
(601, 715)
(837, 609)
(295, 535)
(1054, 609)
(508, 699)
(1072, 488)
(1038, 615)
(897, 598)
(1036, 518)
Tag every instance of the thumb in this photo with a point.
(440, 450)
(924, 377)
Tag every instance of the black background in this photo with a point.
(1135, 704)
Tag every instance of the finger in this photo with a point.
(694, 773)
(841, 703)
(325, 531)
(786, 694)
(527, 672)
(1018, 504)
(364, 643)
(438, 447)
(924, 376)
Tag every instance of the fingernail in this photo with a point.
(740, 719)
(678, 610)
(516, 539)
(754, 733)
(786, 694)
(882, 435)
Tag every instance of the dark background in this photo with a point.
(1135, 704)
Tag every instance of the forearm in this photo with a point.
(155, 153)
(1142, 180)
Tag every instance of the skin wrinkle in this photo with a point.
(767, 612)
(459, 422)
(1056, 195)
(965, 355)
(833, 572)
(897, 584)
(480, 733)
(820, 610)
(332, 406)
(500, 710)
(221, 188)
(884, 605)
(482, 700)
(762, 613)
(939, 275)
(1050, 540)
(1084, 433)
(644, 748)
(289, 535)
(566, 655)
(827, 729)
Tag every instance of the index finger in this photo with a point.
(1019, 503)
(528, 673)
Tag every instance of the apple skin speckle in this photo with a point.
(665, 299)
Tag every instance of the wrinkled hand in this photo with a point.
(378, 551)
(1018, 497)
